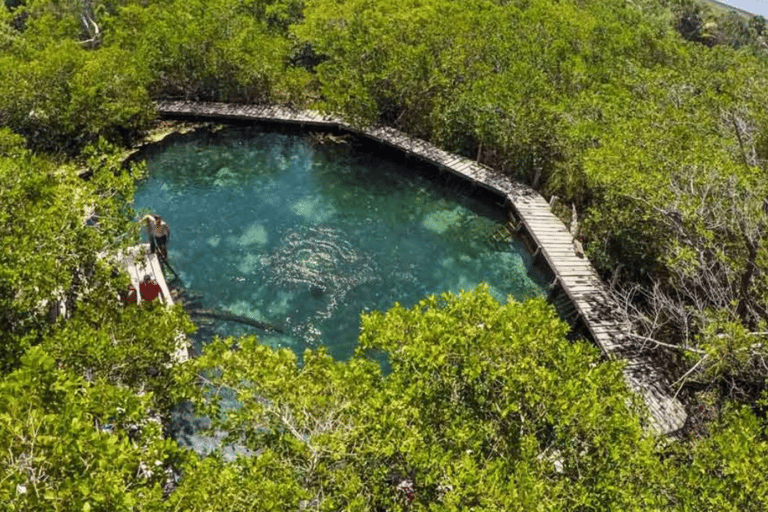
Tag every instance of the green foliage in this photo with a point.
(734, 359)
(205, 50)
(63, 97)
(682, 214)
(257, 482)
(662, 144)
(71, 445)
(724, 470)
(710, 25)
(37, 207)
(483, 382)
(485, 406)
(76, 433)
(485, 79)
(51, 250)
(132, 346)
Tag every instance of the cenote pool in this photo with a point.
(278, 228)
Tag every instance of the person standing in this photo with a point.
(162, 234)
(158, 233)
(151, 224)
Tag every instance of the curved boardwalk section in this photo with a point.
(574, 276)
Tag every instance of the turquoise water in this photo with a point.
(281, 229)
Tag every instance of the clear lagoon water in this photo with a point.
(278, 228)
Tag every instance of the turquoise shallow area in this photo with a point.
(280, 229)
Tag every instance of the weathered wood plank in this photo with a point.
(547, 228)
(574, 282)
(554, 244)
(572, 272)
(566, 258)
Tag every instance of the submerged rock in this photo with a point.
(316, 291)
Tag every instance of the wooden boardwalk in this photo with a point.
(574, 276)
(138, 262)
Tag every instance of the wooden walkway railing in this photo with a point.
(574, 276)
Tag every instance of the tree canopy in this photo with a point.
(648, 118)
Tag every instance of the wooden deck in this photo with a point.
(138, 262)
(574, 276)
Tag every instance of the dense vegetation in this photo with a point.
(648, 117)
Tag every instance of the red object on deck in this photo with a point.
(131, 299)
(149, 290)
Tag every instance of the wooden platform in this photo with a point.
(138, 262)
(574, 276)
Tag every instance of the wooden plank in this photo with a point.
(549, 226)
(563, 246)
(606, 333)
(574, 271)
(536, 209)
(546, 228)
(462, 166)
(570, 274)
(567, 261)
(571, 261)
(552, 232)
(572, 282)
(157, 272)
(609, 343)
(555, 245)
(581, 288)
(564, 257)
(544, 220)
(575, 266)
(591, 278)
(555, 241)
(594, 305)
(563, 252)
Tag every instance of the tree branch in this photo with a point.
(668, 345)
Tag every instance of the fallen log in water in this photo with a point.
(225, 315)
